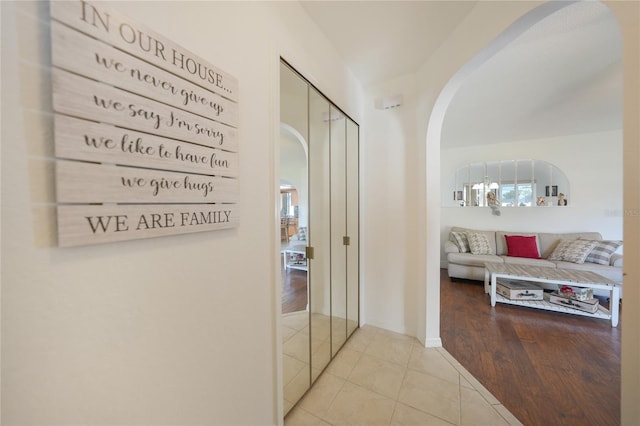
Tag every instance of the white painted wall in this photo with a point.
(389, 197)
(400, 202)
(593, 165)
(174, 330)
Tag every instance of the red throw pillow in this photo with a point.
(521, 246)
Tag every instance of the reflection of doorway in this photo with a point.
(289, 215)
(513, 193)
(293, 220)
(292, 242)
(294, 216)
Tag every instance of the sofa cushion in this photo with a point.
(522, 246)
(466, 272)
(479, 243)
(575, 251)
(602, 252)
(451, 247)
(460, 238)
(547, 242)
(473, 259)
(616, 260)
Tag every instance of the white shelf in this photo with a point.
(296, 266)
(548, 306)
(538, 274)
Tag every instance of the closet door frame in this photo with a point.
(331, 232)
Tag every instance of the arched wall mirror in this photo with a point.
(319, 147)
(507, 183)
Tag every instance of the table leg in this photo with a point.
(493, 290)
(614, 306)
(487, 276)
(284, 260)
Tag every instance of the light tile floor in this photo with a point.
(385, 378)
(295, 349)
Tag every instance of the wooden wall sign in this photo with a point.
(145, 131)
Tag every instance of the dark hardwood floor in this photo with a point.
(294, 290)
(546, 368)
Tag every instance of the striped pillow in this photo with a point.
(601, 253)
(460, 238)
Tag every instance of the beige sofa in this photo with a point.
(471, 266)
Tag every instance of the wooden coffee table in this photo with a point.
(560, 277)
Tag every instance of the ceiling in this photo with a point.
(384, 39)
(562, 76)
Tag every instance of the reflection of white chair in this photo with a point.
(284, 229)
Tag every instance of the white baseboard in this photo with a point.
(433, 343)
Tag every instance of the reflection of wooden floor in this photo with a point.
(294, 290)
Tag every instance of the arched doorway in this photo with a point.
(435, 136)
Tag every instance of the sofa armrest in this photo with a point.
(451, 247)
(616, 260)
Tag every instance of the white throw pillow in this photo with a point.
(575, 251)
(479, 243)
(302, 233)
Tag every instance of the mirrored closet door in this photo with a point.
(319, 163)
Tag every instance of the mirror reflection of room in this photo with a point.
(294, 215)
(319, 210)
(293, 241)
